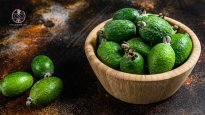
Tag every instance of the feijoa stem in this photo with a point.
(167, 40)
(125, 45)
(162, 15)
(48, 74)
(100, 36)
(175, 28)
(28, 101)
(142, 12)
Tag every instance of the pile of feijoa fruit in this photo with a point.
(43, 92)
(142, 43)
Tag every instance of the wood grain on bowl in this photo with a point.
(141, 89)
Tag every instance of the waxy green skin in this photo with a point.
(110, 53)
(126, 14)
(140, 46)
(46, 91)
(15, 84)
(156, 29)
(182, 45)
(140, 18)
(135, 66)
(42, 65)
(161, 58)
(119, 30)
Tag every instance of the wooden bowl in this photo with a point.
(141, 89)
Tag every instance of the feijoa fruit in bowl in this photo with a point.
(151, 59)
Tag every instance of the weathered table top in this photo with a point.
(82, 93)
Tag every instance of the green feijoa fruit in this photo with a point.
(182, 45)
(134, 65)
(110, 53)
(15, 84)
(119, 30)
(141, 17)
(42, 66)
(161, 58)
(139, 45)
(45, 91)
(153, 29)
(126, 14)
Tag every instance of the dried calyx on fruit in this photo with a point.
(142, 12)
(128, 51)
(162, 15)
(175, 28)
(167, 40)
(100, 36)
(141, 24)
(131, 62)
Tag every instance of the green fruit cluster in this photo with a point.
(43, 92)
(141, 43)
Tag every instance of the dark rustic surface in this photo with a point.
(82, 93)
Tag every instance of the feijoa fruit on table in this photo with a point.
(16, 83)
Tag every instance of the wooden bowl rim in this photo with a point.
(191, 61)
